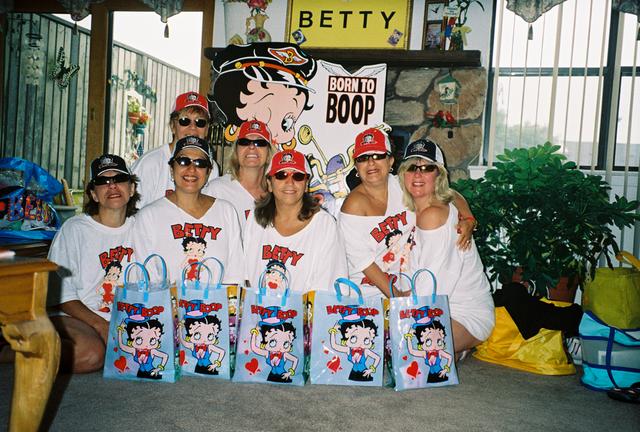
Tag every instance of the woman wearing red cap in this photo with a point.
(246, 182)
(377, 227)
(190, 117)
(187, 226)
(288, 226)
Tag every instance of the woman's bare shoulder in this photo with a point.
(432, 217)
(355, 203)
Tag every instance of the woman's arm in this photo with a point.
(381, 280)
(78, 310)
(466, 222)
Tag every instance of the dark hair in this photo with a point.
(150, 324)
(227, 89)
(265, 211)
(433, 325)
(365, 323)
(207, 319)
(112, 264)
(188, 240)
(285, 327)
(388, 237)
(92, 207)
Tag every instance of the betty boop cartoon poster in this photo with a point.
(273, 339)
(357, 334)
(266, 82)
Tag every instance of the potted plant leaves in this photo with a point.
(542, 219)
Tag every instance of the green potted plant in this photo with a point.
(542, 219)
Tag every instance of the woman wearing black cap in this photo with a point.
(91, 250)
(187, 225)
(460, 275)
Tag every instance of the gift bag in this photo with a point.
(141, 343)
(203, 324)
(421, 340)
(347, 338)
(610, 356)
(270, 345)
(613, 295)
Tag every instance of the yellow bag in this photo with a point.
(543, 354)
(614, 294)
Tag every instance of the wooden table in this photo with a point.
(25, 325)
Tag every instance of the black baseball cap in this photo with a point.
(108, 162)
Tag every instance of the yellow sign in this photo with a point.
(349, 24)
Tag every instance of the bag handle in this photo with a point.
(164, 264)
(351, 285)
(143, 285)
(262, 290)
(624, 256)
(219, 284)
(183, 281)
(433, 279)
(413, 291)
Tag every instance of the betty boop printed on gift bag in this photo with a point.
(273, 340)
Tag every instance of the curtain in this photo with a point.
(530, 10)
(627, 6)
(165, 8)
(78, 9)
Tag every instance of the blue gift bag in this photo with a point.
(141, 343)
(203, 324)
(347, 338)
(421, 339)
(270, 345)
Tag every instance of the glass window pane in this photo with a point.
(628, 130)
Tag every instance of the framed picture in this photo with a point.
(434, 24)
(433, 35)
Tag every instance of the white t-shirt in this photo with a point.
(85, 250)
(231, 190)
(459, 274)
(385, 240)
(165, 229)
(155, 176)
(312, 258)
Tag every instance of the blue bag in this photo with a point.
(270, 345)
(26, 194)
(610, 356)
(346, 330)
(203, 325)
(141, 343)
(421, 340)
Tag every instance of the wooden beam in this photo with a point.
(207, 41)
(97, 83)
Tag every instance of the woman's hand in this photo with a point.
(465, 228)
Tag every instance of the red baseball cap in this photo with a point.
(190, 99)
(254, 127)
(288, 159)
(371, 141)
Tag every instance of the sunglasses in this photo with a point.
(375, 156)
(258, 143)
(422, 168)
(186, 121)
(296, 175)
(184, 161)
(118, 178)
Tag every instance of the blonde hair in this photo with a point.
(443, 192)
